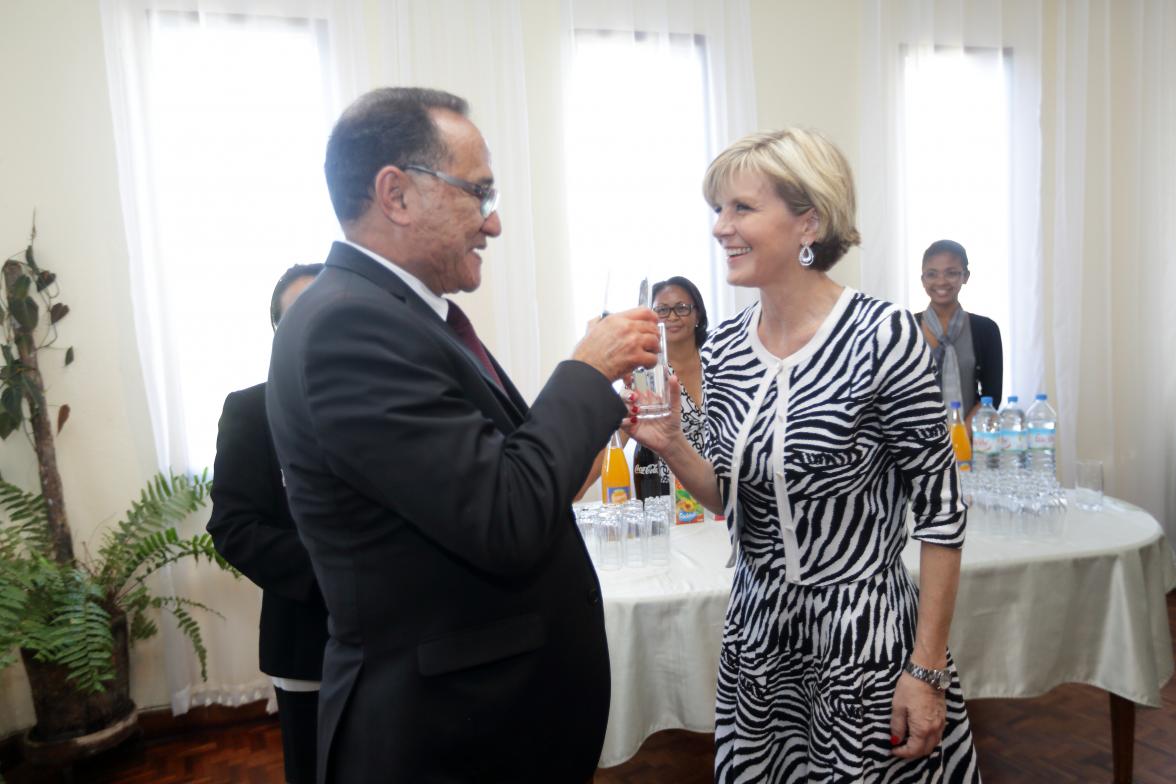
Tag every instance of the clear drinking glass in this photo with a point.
(649, 384)
(657, 519)
(610, 531)
(636, 536)
(1088, 485)
(586, 522)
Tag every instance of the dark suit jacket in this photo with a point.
(467, 633)
(252, 528)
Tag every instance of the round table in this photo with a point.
(1079, 599)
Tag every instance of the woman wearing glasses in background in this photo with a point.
(966, 347)
(678, 303)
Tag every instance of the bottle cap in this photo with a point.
(954, 404)
(986, 400)
(1013, 398)
(1042, 396)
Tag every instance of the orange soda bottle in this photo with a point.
(614, 475)
(960, 443)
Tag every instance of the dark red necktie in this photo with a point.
(465, 333)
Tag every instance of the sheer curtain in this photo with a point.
(475, 49)
(221, 110)
(653, 91)
(998, 45)
(1111, 141)
(1093, 132)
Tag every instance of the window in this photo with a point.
(236, 117)
(637, 146)
(955, 155)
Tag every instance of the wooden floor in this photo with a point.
(1063, 736)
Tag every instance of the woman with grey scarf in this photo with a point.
(966, 347)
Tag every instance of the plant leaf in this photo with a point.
(57, 312)
(25, 311)
(10, 400)
(45, 279)
(62, 416)
(32, 262)
(20, 288)
(69, 355)
(7, 425)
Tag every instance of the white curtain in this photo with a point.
(471, 48)
(653, 90)
(1092, 199)
(475, 49)
(221, 109)
(1110, 137)
(903, 34)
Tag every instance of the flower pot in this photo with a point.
(63, 712)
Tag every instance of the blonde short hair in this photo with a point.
(808, 172)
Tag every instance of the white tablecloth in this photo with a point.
(1082, 602)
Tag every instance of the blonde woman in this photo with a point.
(824, 424)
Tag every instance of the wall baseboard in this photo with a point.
(156, 723)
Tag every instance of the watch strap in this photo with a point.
(937, 679)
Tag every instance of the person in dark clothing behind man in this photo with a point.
(252, 528)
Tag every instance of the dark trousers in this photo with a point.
(298, 715)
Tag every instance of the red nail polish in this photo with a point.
(633, 420)
(895, 740)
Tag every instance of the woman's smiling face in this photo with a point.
(758, 231)
(943, 277)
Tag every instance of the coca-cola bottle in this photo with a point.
(650, 479)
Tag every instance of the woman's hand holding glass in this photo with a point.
(661, 433)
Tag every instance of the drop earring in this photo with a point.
(806, 255)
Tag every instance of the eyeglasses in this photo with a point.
(487, 195)
(682, 310)
(949, 274)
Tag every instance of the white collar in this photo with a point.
(439, 304)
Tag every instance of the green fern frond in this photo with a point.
(21, 506)
(163, 504)
(76, 634)
(142, 627)
(28, 527)
(13, 600)
(187, 624)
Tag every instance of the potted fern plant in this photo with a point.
(71, 618)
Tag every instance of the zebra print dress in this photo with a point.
(829, 445)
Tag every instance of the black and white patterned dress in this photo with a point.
(829, 446)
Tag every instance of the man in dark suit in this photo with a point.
(252, 528)
(467, 633)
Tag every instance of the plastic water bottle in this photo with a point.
(1013, 442)
(1042, 422)
(986, 437)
